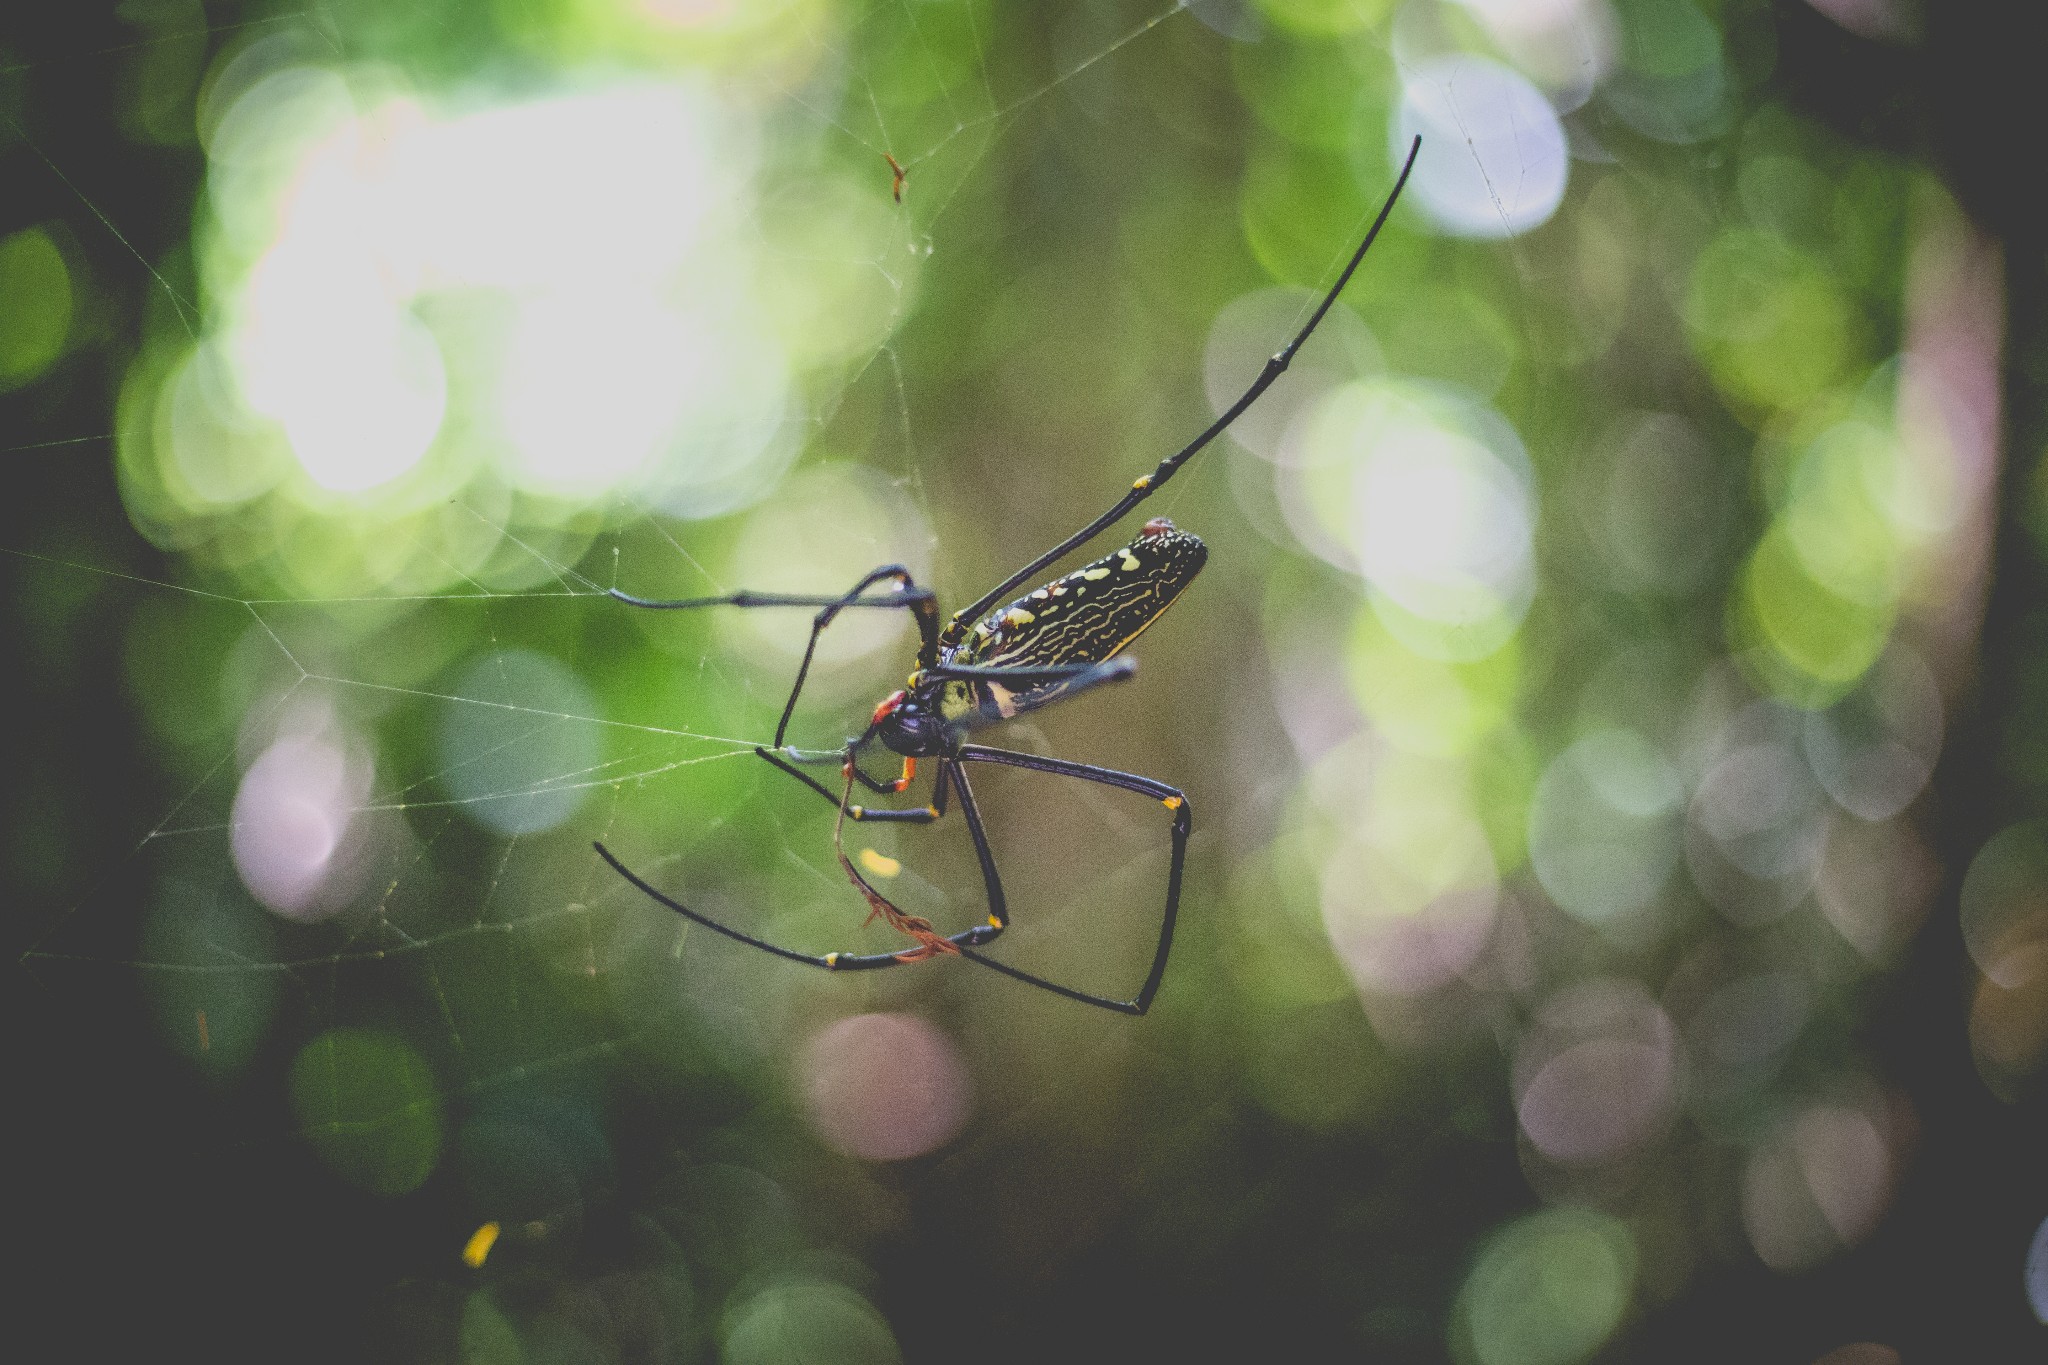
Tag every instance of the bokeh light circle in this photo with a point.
(1875, 749)
(1596, 1078)
(1746, 1027)
(1674, 83)
(35, 325)
(1408, 904)
(218, 1022)
(1603, 826)
(291, 820)
(1817, 1186)
(1494, 160)
(884, 1087)
(807, 1322)
(1567, 47)
(1427, 495)
(554, 287)
(1756, 830)
(369, 1105)
(2004, 909)
(517, 741)
(1547, 1289)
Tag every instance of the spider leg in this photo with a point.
(992, 884)
(1079, 678)
(908, 596)
(920, 815)
(952, 774)
(831, 962)
(1170, 797)
(930, 943)
(1168, 467)
(817, 758)
(1078, 675)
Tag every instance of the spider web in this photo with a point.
(347, 669)
(487, 732)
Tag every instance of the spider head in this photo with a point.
(907, 725)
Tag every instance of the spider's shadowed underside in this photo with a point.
(991, 662)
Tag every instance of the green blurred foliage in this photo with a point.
(1530, 920)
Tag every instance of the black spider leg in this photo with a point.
(949, 773)
(908, 596)
(1110, 670)
(920, 601)
(929, 941)
(831, 962)
(788, 760)
(1170, 797)
(1168, 467)
(1078, 677)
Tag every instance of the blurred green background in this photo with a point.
(1616, 923)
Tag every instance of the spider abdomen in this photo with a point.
(1085, 617)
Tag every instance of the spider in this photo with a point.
(987, 664)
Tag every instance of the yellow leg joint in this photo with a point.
(1142, 484)
(831, 959)
(994, 923)
(1172, 803)
(856, 811)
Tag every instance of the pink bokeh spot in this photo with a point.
(1597, 1100)
(1596, 1078)
(885, 1087)
(292, 813)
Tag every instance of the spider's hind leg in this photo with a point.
(835, 962)
(1172, 798)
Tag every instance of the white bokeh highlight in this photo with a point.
(1494, 158)
(1427, 494)
(573, 268)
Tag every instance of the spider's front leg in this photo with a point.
(908, 596)
(787, 760)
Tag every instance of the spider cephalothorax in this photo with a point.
(989, 664)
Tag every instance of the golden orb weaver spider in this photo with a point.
(988, 664)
